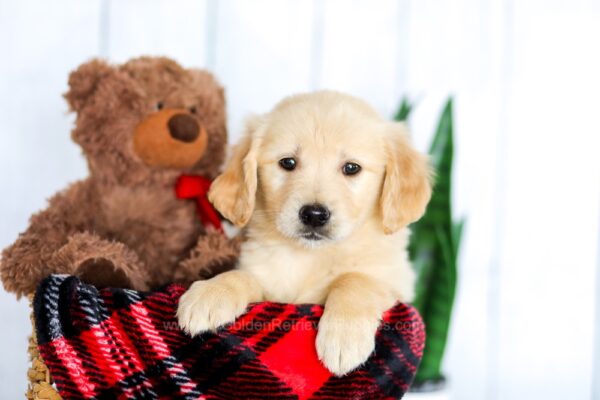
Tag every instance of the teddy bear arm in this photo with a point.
(101, 262)
(213, 253)
(27, 260)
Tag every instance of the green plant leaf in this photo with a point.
(457, 231)
(433, 249)
(404, 110)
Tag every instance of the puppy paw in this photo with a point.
(343, 344)
(207, 305)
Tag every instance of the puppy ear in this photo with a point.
(233, 193)
(407, 183)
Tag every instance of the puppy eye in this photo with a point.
(288, 163)
(193, 109)
(160, 105)
(351, 169)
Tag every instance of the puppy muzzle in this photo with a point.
(314, 218)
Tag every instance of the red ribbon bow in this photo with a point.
(196, 187)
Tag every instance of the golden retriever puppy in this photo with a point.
(325, 188)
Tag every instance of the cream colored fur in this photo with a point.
(360, 268)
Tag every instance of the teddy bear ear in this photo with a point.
(83, 82)
(206, 79)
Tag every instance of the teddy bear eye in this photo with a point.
(159, 105)
(193, 109)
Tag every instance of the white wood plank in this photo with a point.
(360, 49)
(41, 43)
(172, 28)
(596, 366)
(38, 156)
(452, 50)
(549, 252)
(263, 54)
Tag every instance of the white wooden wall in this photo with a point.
(526, 80)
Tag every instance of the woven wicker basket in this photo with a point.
(40, 383)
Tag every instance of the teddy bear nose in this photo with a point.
(184, 127)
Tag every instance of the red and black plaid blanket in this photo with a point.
(117, 343)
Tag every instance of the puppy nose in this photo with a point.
(184, 127)
(314, 215)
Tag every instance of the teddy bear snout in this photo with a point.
(184, 127)
(170, 138)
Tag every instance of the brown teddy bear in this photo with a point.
(143, 126)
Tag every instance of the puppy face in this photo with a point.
(320, 165)
(319, 179)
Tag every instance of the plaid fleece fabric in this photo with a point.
(117, 343)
